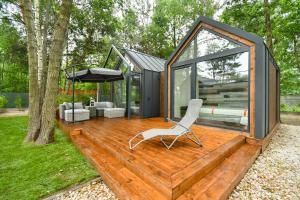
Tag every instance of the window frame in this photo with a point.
(193, 64)
(241, 45)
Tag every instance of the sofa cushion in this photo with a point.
(68, 105)
(79, 115)
(77, 111)
(104, 104)
(114, 112)
(78, 105)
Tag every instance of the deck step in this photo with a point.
(175, 185)
(121, 180)
(186, 178)
(220, 182)
(158, 179)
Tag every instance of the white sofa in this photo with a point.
(100, 106)
(80, 114)
(114, 112)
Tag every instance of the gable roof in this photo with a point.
(145, 61)
(249, 36)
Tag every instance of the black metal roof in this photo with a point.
(230, 29)
(96, 75)
(145, 61)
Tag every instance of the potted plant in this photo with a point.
(18, 103)
(3, 102)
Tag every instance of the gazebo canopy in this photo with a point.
(96, 75)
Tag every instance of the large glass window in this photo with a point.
(120, 88)
(206, 43)
(182, 90)
(135, 94)
(223, 85)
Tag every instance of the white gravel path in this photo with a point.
(274, 175)
(276, 172)
(93, 190)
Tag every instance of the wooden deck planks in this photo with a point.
(151, 171)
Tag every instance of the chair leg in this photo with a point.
(195, 139)
(169, 146)
(134, 145)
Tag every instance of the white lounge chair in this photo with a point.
(181, 128)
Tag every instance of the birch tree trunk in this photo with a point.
(268, 25)
(48, 109)
(44, 52)
(34, 106)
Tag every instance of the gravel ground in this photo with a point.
(13, 112)
(274, 175)
(93, 190)
(276, 172)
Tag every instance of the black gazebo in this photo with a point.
(93, 75)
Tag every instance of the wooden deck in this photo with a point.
(186, 171)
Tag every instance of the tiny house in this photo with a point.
(140, 91)
(232, 71)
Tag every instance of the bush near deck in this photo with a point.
(28, 171)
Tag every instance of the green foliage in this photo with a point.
(170, 21)
(249, 16)
(84, 98)
(29, 171)
(287, 108)
(13, 59)
(86, 86)
(18, 102)
(3, 101)
(92, 27)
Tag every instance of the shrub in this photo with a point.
(61, 98)
(18, 102)
(287, 108)
(3, 101)
(84, 98)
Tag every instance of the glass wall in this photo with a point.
(182, 90)
(223, 85)
(206, 43)
(135, 94)
(220, 76)
(120, 89)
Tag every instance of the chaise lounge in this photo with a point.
(181, 128)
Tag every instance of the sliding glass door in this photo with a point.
(135, 94)
(182, 90)
(222, 83)
(215, 69)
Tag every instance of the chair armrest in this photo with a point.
(62, 109)
(172, 121)
(177, 123)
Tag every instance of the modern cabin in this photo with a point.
(232, 71)
(140, 91)
(238, 79)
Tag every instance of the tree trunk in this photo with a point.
(34, 108)
(44, 70)
(174, 36)
(49, 105)
(268, 25)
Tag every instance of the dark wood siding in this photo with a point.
(162, 94)
(273, 96)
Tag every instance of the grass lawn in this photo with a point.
(28, 171)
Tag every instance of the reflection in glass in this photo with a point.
(182, 91)
(120, 89)
(135, 94)
(223, 85)
(206, 43)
